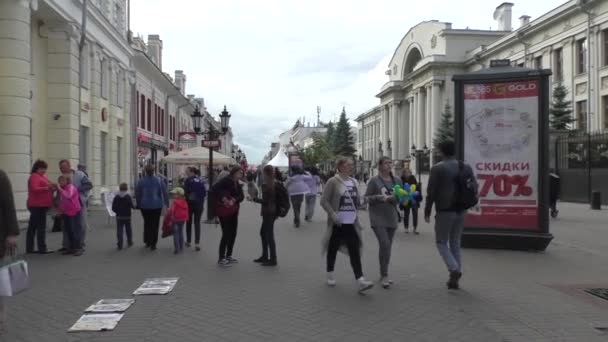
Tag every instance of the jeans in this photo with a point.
(151, 225)
(345, 234)
(267, 235)
(73, 229)
(406, 216)
(196, 211)
(311, 200)
(84, 222)
(123, 224)
(178, 236)
(296, 203)
(36, 228)
(385, 243)
(448, 233)
(229, 227)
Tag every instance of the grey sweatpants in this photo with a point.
(385, 243)
(448, 233)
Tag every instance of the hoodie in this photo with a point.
(179, 210)
(122, 205)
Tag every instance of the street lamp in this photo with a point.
(418, 154)
(212, 134)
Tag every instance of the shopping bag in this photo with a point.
(14, 278)
(167, 229)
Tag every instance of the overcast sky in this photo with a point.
(273, 61)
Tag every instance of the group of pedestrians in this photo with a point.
(69, 196)
(303, 186)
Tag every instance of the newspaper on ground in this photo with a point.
(153, 286)
(111, 305)
(96, 322)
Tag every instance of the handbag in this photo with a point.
(167, 225)
(14, 278)
(226, 206)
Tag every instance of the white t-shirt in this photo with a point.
(347, 210)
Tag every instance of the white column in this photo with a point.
(15, 102)
(412, 128)
(386, 120)
(436, 109)
(405, 129)
(395, 112)
(420, 116)
(428, 119)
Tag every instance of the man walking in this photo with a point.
(445, 190)
(84, 186)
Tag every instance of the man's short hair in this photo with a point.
(447, 148)
(123, 187)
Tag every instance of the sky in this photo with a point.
(274, 61)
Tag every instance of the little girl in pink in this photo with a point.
(69, 206)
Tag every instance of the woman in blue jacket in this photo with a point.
(151, 195)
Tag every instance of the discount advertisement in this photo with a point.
(501, 145)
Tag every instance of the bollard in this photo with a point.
(596, 200)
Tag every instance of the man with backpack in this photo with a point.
(452, 188)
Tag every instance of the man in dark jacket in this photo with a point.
(449, 220)
(196, 192)
(9, 228)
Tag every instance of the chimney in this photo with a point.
(180, 81)
(503, 16)
(524, 20)
(155, 49)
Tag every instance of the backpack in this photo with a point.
(282, 198)
(465, 194)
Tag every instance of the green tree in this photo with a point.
(318, 152)
(561, 109)
(344, 142)
(330, 136)
(445, 131)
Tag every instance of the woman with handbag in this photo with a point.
(341, 201)
(39, 200)
(383, 214)
(227, 195)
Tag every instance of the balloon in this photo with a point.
(406, 194)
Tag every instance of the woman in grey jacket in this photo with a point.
(297, 188)
(383, 214)
(341, 201)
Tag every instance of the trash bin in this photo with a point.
(596, 200)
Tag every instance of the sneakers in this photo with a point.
(453, 282)
(386, 283)
(269, 263)
(261, 259)
(364, 285)
(197, 248)
(331, 281)
(232, 260)
(224, 263)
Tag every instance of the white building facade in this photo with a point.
(420, 72)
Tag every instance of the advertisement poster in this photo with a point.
(501, 144)
(111, 305)
(156, 286)
(97, 322)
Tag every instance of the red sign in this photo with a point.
(211, 144)
(186, 137)
(501, 144)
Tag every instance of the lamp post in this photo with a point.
(212, 134)
(418, 154)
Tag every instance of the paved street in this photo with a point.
(506, 296)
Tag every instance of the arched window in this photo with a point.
(412, 60)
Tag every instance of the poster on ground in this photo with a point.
(501, 143)
(111, 305)
(156, 286)
(97, 322)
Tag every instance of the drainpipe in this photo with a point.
(584, 6)
(83, 32)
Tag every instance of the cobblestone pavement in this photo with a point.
(506, 295)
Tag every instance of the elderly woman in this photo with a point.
(341, 201)
(39, 200)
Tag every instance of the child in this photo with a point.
(122, 205)
(178, 212)
(69, 205)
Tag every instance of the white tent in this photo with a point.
(280, 160)
(196, 156)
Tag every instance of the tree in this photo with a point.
(318, 152)
(330, 136)
(344, 142)
(445, 131)
(561, 109)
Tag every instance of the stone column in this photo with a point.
(404, 129)
(428, 119)
(412, 122)
(386, 126)
(15, 99)
(395, 112)
(436, 107)
(420, 117)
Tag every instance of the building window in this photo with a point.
(142, 111)
(605, 39)
(105, 82)
(558, 66)
(83, 143)
(162, 122)
(149, 122)
(581, 115)
(103, 156)
(605, 102)
(119, 160)
(581, 56)
(538, 62)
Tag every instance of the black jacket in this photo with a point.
(122, 206)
